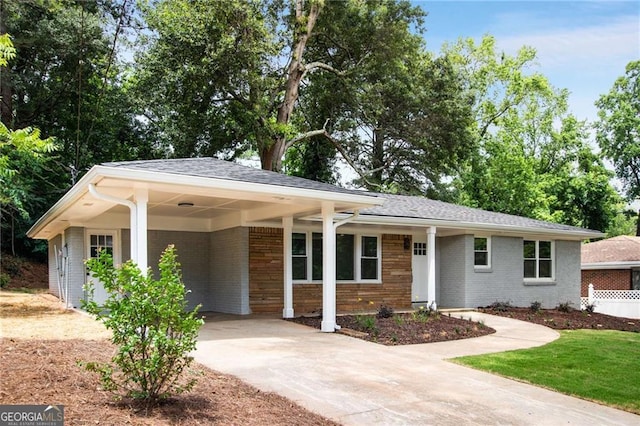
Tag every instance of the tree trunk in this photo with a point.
(638, 225)
(271, 158)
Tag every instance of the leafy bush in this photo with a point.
(564, 307)
(535, 306)
(590, 308)
(384, 311)
(151, 327)
(12, 265)
(4, 280)
(500, 306)
(366, 322)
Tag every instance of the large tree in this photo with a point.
(532, 157)
(618, 128)
(224, 77)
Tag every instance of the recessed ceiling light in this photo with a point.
(185, 204)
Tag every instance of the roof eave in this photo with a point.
(611, 265)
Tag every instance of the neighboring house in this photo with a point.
(611, 264)
(254, 241)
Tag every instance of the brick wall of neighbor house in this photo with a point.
(229, 272)
(193, 255)
(266, 278)
(53, 244)
(605, 279)
(74, 238)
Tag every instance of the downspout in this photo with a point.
(133, 223)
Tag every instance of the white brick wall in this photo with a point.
(230, 271)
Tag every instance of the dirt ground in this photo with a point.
(405, 328)
(574, 319)
(41, 343)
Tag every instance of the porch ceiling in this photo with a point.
(203, 209)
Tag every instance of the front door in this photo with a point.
(419, 266)
(105, 240)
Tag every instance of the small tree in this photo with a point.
(151, 327)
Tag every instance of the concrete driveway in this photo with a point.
(359, 383)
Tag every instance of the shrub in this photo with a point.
(590, 308)
(12, 266)
(500, 306)
(151, 327)
(564, 307)
(4, 280)
(385, 311)
(535, 306)
(366, 322)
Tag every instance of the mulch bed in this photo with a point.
(46, 372)
(574, 319)
(404, 328)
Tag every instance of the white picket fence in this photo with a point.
(619, 303)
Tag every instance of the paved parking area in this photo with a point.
(361, 383)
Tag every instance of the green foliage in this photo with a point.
(564, 307)
(150, 325)
(532, 157)
(535, 306)
(597, 365)
(623, 223)
(7, 51)
(618, 128)
(366, 322)
(4, 279)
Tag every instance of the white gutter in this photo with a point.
(133, 222)
(420, 222)
(611, 265)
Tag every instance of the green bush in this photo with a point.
(4, 280)
(151, 327)
(564, 307)
(535, 306)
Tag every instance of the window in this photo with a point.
(482, 252)
(419, 249)
(538, 259)
(100, 242)
(369, 258)
(357, 257)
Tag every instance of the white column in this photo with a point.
(287, 227)
(141, 199)
(328, 324)
(431, 266)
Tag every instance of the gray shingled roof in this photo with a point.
(424, 208)
(400, 206)
(208, 167)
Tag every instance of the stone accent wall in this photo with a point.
(605, 279)
(266, 279)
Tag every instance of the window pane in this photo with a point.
(344, 257)
(480, 244)
(94, 240)
(94, 252)
(481, 258)
(530, 269)
(299, 244)
(545, 269)
(108, 241)
(529, 249)
(544, 249)
(316, 256)
(369, 269)
(299, 266)
(370, 246)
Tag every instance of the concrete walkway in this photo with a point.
(359, 383)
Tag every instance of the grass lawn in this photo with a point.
(598, 365)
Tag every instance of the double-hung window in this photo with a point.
(357, 257)
(482, 252)
(538, 259)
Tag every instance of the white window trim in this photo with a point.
(537, 279)
(357, 258)
(488, 265)
(117, 249)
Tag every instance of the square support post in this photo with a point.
(287, 228)
(431, 267)
(141, 199)
(328, 324)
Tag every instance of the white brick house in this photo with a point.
(256, 241)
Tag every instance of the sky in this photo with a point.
(582, 46)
